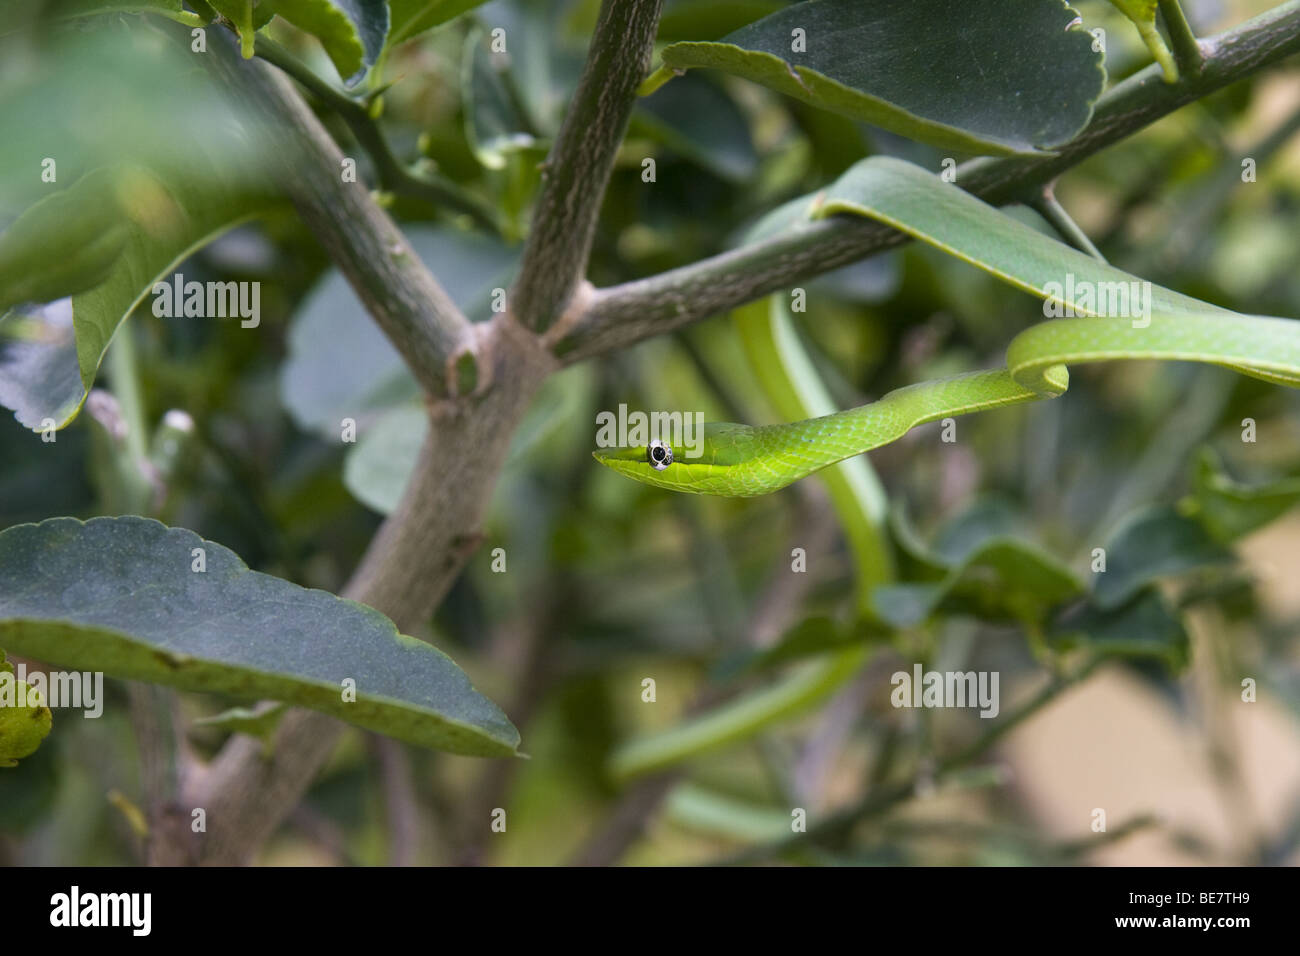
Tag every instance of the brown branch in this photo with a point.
(577, 170)
(402, 296)
(419, 550)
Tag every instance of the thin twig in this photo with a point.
(578, 167)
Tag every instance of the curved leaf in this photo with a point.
(333, 24)
(120, 595)
(166, 219)
(984, 76)
(940, 214)
(1143, 627)
(1004, 578)
(698, 120)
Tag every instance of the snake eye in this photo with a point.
(659, 455)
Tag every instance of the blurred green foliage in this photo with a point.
(610, 581)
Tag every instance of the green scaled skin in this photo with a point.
(743, 461)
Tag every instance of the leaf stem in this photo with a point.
(1187, 49)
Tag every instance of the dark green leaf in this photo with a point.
(1142, 627)
(120, 595)
(1001, 579)
(1229, 509)
(351, 31)
(1150, 545)
(985, 76)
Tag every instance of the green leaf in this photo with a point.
(810, 637)
(163, 220)
(919, 203)
(692, 20)
(171, 217)
(24, 719)
(39, 378)
(410, 18)
(67, 242)
(117, 95)
(120, 595)
(1229, 509)
(1001, 579)
(1152, 544)
(1143, 628)
(351, 31)
(379, 466)
(1143, 15)
(986, 569)
(988, 76)
(259, 723)
(719, 815)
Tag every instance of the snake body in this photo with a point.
(744, 461)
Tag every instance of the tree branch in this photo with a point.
(414, 311)
(419, 550)
(394, 176)
(577, 170)
(623, 315)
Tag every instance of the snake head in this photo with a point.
(728, 462)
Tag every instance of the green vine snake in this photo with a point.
(744, 461)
